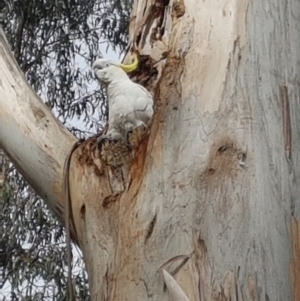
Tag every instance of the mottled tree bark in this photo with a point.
(216, 181)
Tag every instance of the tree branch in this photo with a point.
(36, 142)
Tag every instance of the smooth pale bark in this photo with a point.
(34, 140)
(212, 197)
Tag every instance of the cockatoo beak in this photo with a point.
(131, 67)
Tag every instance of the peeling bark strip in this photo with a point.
(295, 264)
(287, 129)
(184, 259)
(175, 291)
(69, 221)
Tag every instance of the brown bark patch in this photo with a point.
(226, 165)
(115, 162)
(178, 9)
(224, 160)
(252, 287)
(171, 79)
(109, 200)
(167, 94)
(286, 116)
(38, 114)
(146, 74)
(295, 265)
(152, 19)
(85, 150)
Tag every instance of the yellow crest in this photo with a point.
(131, 67)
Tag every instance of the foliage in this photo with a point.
(31, 245)
(54, 42)
(50, 37)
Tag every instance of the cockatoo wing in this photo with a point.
(141, 102)
(130, 105)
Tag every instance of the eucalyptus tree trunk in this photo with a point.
(211, 196)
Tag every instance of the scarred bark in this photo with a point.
(211, 196)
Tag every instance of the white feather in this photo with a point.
(130, 104)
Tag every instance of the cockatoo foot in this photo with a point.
(141, 123)
(132, 128)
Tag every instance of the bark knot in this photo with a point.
(178, 9)
(224, 158)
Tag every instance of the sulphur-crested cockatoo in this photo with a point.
(129, 104)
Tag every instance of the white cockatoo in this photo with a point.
(129, 104)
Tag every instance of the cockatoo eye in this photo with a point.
(107, 65)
